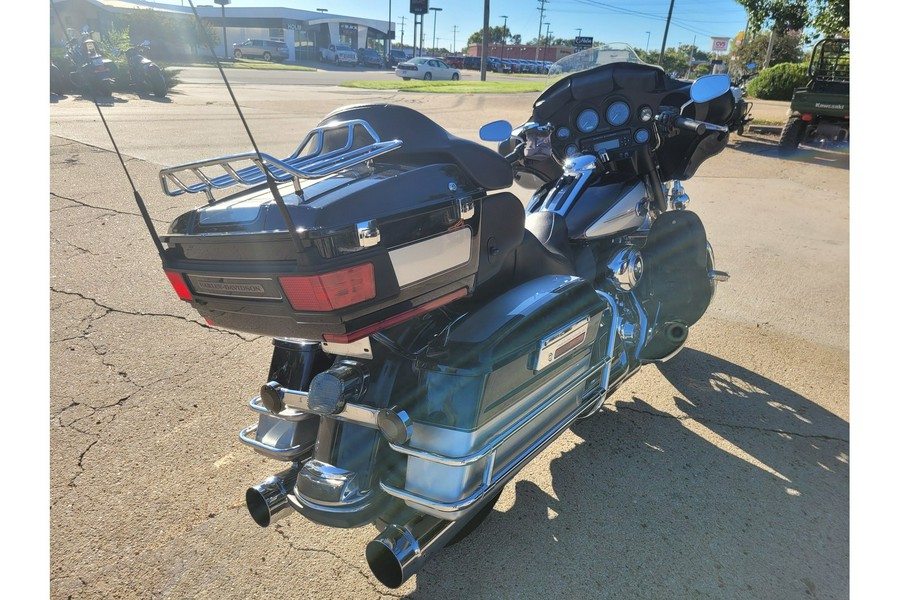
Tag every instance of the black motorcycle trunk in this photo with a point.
(390, 238)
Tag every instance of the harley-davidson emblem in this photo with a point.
(221, 286)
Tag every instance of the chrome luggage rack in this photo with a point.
(312, 165)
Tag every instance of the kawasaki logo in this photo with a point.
(832, 106)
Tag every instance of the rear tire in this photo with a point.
(158, 83)
(790, 137)
(57, 81)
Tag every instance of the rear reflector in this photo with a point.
(330, 291)
(348, 338)
(180, 286)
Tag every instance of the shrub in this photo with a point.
(778, 82)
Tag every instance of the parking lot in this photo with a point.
(723, 473)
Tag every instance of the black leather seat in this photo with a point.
(424, 141)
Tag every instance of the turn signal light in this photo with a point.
(330, 291)
(180, 286)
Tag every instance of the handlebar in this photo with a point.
(670, 120)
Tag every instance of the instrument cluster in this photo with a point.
(614, 126)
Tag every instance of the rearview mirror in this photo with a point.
(710, 87)
(497, 131)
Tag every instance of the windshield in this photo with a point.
(602, 54)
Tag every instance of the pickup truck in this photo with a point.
(337, 54)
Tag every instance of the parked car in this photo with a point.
(456, 62)
(398, 56)
(339, 54)
(427, 69)
(472, 62)
(369, 57)
(265, 49)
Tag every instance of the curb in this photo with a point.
(765, 128)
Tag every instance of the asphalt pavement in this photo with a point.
(723, 473)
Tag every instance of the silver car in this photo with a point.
(268, 50)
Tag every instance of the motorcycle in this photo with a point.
(742, 116)
(89, 70)
(145, 74)
(431, 335)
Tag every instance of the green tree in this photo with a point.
(825, 17)
(497, 35)
(787, 48)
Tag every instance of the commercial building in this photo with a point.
(303, 31)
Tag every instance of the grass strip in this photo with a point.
(451, 87)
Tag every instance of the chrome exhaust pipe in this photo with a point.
(267, 501)
(401, 550)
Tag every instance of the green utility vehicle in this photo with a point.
(820, 112)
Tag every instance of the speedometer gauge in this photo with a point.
(587, 121)
(617, 113)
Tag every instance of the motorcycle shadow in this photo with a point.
(739, 490)
(153, 98)
(762, 145)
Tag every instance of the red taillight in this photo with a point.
(347, 338)
(330, 291)
(180, 286)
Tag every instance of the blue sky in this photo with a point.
(608, 21)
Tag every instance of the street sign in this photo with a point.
(720, 44)
(418, 7)
(584, 40)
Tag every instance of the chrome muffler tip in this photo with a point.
(391, 554)
(267, 501)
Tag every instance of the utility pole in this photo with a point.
(387, 36)
(647, 49)
(434, 31)
(662, 49)
(485, 34)
(455, 29)
(503, 45)
(691, 58)
(546, 41)
(402, 28)
(540, 24)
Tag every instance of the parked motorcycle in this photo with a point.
(432, 336)
(89, 70)
(145, 74)
(742, 116)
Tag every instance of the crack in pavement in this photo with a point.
(367, 576)
(731, 425)
(111, 309)
(101, 208)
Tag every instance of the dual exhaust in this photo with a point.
(394, 556)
